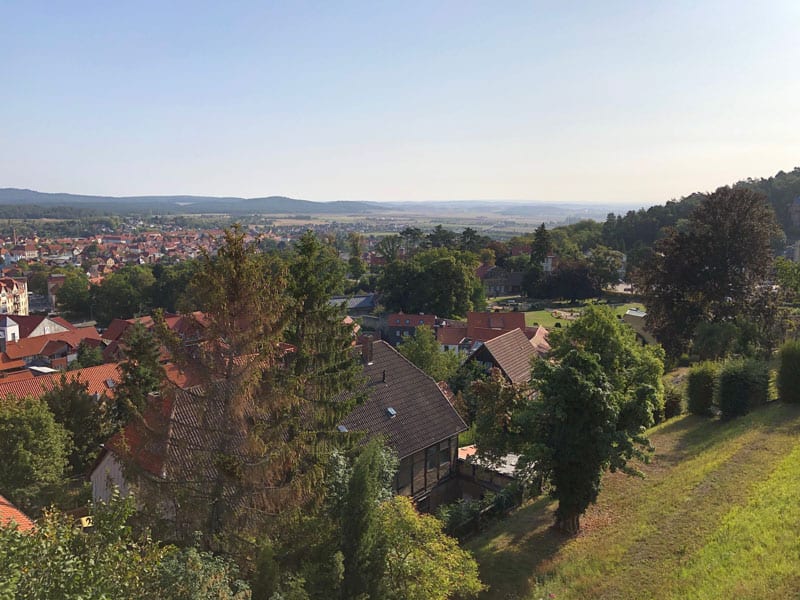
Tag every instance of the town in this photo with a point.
(399, 301)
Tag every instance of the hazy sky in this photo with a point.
(607, 101)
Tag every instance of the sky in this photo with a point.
(613, 101)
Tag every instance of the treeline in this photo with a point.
(67, 223)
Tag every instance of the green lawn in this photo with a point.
(547, 319)
(717, 516)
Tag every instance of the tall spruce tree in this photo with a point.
(542, 244)
(142, 374)
(256, 431)
(321, 363)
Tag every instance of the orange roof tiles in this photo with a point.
(36, 345)
(97, 379)
(10, 513)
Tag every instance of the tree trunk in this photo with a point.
(569, 523)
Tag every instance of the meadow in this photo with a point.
(715, 516)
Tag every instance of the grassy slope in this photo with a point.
(717, 516)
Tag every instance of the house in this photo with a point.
(483, 326)
(510, 352)
(27, 251)
(13, 296)
(411, 412)
(356, 306)
(189, 328)
(404, 406)
(34, 325)
(400, 325)
(11, 514)
(100, 380)
(452, 336)
(54, 350)
(500, 282)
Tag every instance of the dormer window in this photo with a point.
(391, 412)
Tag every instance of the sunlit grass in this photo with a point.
(714, 494)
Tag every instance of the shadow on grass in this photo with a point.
(514, 552)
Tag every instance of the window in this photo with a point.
(432, 457)
(444, 454)
(397, 333)
(408, 321)
(432, 464)
(404, 473)
(418, 475)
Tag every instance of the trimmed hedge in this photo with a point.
(673, 401)
(789, 372)
(700, 384)
(743, 385)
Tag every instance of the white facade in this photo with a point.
(107, 475)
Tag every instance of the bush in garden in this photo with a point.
(789, 372)
(743, 385)
(700, 388)
(673, 401)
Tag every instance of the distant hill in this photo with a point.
(187, 204)
(553, 212)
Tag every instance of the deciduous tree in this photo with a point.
(83, 416)
(422, 349)
(34, 449)
(422, 562)
(712, 270)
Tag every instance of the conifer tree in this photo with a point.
(142, 374)
(257, 429)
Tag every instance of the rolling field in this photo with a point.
(716, 516)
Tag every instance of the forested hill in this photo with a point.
(782, 190)
(641, 228)
(185, 204)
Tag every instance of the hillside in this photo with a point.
(186, 204)
(716, 516)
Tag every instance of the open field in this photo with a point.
(547, 319)
(716, 516)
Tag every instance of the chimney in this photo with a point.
(366, 350)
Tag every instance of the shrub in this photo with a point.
(684, 360)
(700, 388)
(673, 401)
(743, 385)
(789, 372)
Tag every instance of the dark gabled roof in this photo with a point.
(423, 414)
(366, 302)
(512, 352)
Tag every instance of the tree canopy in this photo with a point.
(437, 281)
(711, 271)
(422, 349)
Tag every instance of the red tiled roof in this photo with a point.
(414, 320)
(484, 326)
(97, 378)
(450, 336)
(36, 345)
(10, 513)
